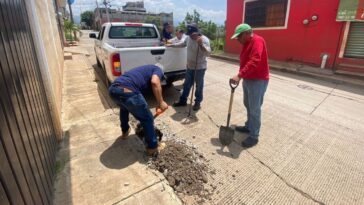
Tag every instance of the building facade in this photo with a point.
(31, 67)
(132, 12)
(325, 32)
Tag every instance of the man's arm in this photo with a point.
(254, 59)
(157, 91)
(181, 44)
(204, 45)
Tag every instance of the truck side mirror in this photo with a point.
(92, 35)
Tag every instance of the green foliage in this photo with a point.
(70, 28)
(215, 33)
(87, 17)
(156, 20)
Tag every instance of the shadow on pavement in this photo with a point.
(234, 149)
(102, 89)
(123, 153)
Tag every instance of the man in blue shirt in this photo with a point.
(167, 32)
(126, 91)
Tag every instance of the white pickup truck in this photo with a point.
(120, 47)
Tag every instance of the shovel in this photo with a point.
(140, 131)
(226, 134)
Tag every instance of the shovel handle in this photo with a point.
(233, 85)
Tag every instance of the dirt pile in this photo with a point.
(185, 169)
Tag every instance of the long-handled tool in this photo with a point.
(226, 134)
(193, 83)
(139, 130)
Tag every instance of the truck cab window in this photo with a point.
(130, 32)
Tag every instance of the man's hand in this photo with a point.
(235, 80)
(199, 40)
(162, 106)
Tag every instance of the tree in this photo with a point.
(69, 28)
(208, 28)
(154, 20)
(87, 17)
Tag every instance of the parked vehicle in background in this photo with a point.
(120, 47)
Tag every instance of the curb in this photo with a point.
(334, 78)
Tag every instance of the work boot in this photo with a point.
(249, 142)
(179, 104)
(155, 151)
(242, 129)
(196, 106)
(125, 135)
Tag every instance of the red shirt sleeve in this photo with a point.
(254, 57)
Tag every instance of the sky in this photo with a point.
(214, 10)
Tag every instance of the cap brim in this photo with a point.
(193, 32)
(235, 36)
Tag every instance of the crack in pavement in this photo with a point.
(333, 89)
(210, 118)
(137, 192)
(304, 194)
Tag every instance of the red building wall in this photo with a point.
(298, 42)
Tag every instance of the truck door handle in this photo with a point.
(158, 52)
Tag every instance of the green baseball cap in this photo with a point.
(240, 29)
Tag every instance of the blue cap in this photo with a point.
(192, 28)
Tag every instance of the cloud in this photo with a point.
(217, 16)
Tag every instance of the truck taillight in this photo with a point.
(116, 65)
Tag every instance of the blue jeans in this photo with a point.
(135, 104)
(199, 79)
(254, 91)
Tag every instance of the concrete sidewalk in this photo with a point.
(94, 166)
(303, 70)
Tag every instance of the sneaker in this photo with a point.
(242, 129)
(125, 135)
(249, 142)
(179, 104)
(155, 151)
(196, 107)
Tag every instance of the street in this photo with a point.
(310, 149)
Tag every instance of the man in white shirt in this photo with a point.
(198, 49)
(180, 37)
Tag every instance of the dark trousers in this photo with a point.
(134, 103)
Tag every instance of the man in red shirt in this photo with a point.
(254, 70)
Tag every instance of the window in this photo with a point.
(126, 32)
(266, 13)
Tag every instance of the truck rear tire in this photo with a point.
(98, 63)
(107, 82)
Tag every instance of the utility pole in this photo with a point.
(71, 14)
(71, 17)
(98, 25)
(107, 10)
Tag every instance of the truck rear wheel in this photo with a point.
(98, 63)
(107, 81)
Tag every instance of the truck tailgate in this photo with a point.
(172, 59)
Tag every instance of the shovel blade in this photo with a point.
(226, 135)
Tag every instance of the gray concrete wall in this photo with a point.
(47, 41)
